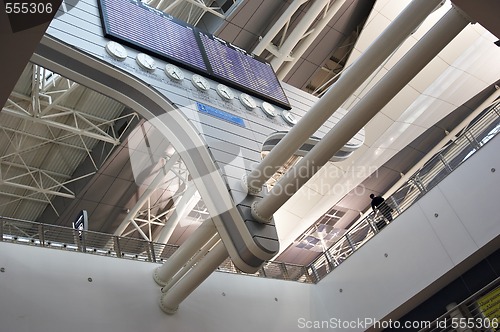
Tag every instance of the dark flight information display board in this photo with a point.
(232, 64)
(143, 27)
(146, 29)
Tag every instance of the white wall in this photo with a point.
(48, 289)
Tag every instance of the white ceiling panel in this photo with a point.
(377, 125)
(428, 75)
(399, 135)
(371, 31)
(391, 9)
(397, 105)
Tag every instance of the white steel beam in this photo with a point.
(65, 109)
(306, 42)
(129, 219)
(404, 24)
(205, 8)
(265, 42)
(78, 131)
(34, 169)
(298, 33)
(182, 208)
(18, 198)
(35, 189)
(59, 98)
(44, 140)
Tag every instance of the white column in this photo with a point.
(304, 44)
(409, 19)
(298, 33)
(189, 265)
(278, 25)
(170, 301)
(185, 252)
(401, 74)
(162, 172)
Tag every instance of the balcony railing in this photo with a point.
(476, 135)
(69, 239)
(479, 312)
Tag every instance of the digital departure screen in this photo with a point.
(146, 29)
(143, 27)
(234, 65)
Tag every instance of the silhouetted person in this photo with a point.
(378, 203)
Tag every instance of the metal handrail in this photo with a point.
(479, 312)
(69, 239)
(436, 169)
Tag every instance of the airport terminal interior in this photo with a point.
(169, 159)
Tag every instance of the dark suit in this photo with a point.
(378, 202)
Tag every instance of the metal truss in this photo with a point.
(190, 11)
(82, 124)
(285, 45)
(149, 216)
(36, 123)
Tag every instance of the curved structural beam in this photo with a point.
(411, 17)
(245, 252)
(447, 28)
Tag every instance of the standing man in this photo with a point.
(378, 203)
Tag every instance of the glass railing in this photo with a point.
(65, 238)
(476, 135)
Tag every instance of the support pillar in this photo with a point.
(411, 17)
(170, 301)
(185, 252)
(401, 74)
(189, 265)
